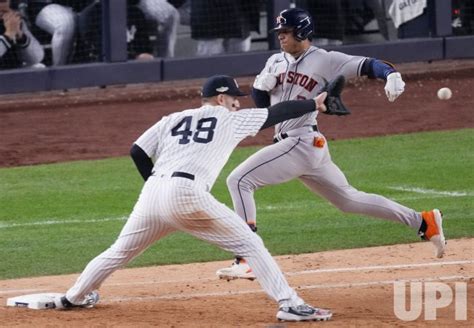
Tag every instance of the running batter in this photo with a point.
(300, 150)
(180, 158)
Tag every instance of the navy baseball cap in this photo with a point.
(221, 84)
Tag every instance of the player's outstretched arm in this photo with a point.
(143, 163)
(292, 109)
(379, 69)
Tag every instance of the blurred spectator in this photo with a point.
(329, 20)
(138, 37)
(52, 22)
(224, 26)
(166, 18)
(360, 12)
(335, 19)
(463, 12)
(90, 33)
(467, 16)
(411, 20)
(18, 47)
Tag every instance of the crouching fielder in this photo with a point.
(180, 158)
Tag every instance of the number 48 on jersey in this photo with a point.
(204, 132)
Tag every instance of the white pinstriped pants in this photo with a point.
(167, 204)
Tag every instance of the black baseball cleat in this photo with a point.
(90, 300)
(303, 312)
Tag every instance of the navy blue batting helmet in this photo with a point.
(296, 19)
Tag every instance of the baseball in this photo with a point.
(444, 93)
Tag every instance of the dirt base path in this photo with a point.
(100, 123)
(356, 284)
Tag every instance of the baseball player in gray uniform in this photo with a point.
(300, 149)
(180, 158)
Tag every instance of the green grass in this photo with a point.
(84, 203)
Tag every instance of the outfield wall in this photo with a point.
(116, 69)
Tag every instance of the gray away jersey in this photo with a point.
(304, 77)
(199, 141)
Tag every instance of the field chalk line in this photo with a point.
(257, 291)
(431, 192)
(333, 270)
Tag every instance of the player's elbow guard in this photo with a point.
(143, 163)
(261, 98)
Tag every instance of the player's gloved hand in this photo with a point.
(394, 86)
(333, 101)
(265, 81)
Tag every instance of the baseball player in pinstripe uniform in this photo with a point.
(180, 158)
(300, 149)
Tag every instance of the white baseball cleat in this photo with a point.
(62, 303)
(239, 270)
(303, 312)
(434, 231)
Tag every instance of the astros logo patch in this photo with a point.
(319, 142)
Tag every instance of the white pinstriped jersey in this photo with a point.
(304, 77)
(199, 141)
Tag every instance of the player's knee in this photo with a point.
(174, 17)
(347, 201)
(251, 248)
(343, 206)
(236, 182)
(65, 30)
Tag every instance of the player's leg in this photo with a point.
(166, 17)
(328, 181)
(136, 236)
(60, 22)
(166, 37)
(271, 165)
(215, 223)
(143, 228)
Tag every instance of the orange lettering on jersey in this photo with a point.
(319, 142)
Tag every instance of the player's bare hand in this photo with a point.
(12, 23)
(394, 86)
(265, 81)
(320, 99)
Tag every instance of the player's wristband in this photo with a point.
(374, 68)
